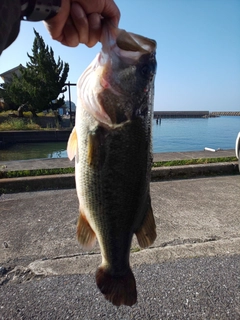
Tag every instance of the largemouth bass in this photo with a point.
(111, 143)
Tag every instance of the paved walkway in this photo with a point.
(66, 163)
(191, 271)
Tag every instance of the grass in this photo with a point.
(27, 114)
(44, 114)
(18, 124)
(11, 121)
(6, 113)
(36, 172)
(192, 161)
(135, 249)
(42, 172)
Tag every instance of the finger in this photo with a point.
(111, 12)
(95, 29)
(69, 35)
(56, 24)
(80, 22)
(107, 8)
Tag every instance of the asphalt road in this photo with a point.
(191, 272)
(197, 288)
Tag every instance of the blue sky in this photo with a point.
(198, 51)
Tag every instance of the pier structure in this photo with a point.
(193, 114)
(224, 113)
(181, 114)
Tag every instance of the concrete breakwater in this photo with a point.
(180, 114)
(224, 113)
(193, 114)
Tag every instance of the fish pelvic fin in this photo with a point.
(85, 234)
(72, 144)
(119, 290)
(146, 234)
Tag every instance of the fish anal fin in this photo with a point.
(146, 234)
(85, 234)
(72, 144)
(119, 290)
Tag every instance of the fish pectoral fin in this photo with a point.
(93, 143)
(146, 234)
(119, 290)
(85, 234)
(95, 153)
(72, 144)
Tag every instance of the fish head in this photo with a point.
(121, 77)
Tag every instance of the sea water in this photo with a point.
(194, 134)
(169, 135)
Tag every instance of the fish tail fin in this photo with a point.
(85, 234)
(146, 234)
(117, 289)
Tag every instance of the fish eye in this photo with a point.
(145, 70)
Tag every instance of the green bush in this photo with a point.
(18, 124)
(7, 112)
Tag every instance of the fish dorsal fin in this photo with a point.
(72, 144)
(146, 234)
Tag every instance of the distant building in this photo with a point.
(7, 75)
(7, 78)
(73, 106)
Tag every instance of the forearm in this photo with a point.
(68, 21)
(10, 17)
(13, 11)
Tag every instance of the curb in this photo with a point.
(67, 181)
(194, 171)
(86, 263)
(39, 183)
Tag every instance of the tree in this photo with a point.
(8, 104)
(41, 82)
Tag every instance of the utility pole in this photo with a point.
(69, 94)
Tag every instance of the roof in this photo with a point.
(8, 73)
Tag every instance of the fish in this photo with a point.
(112, 146)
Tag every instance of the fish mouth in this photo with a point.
(120, 45)
(127, 45)
(109, 77)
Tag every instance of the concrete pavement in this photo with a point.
(191, 272)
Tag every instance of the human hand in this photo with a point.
(80, 21)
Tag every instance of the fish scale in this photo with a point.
(112, 145)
